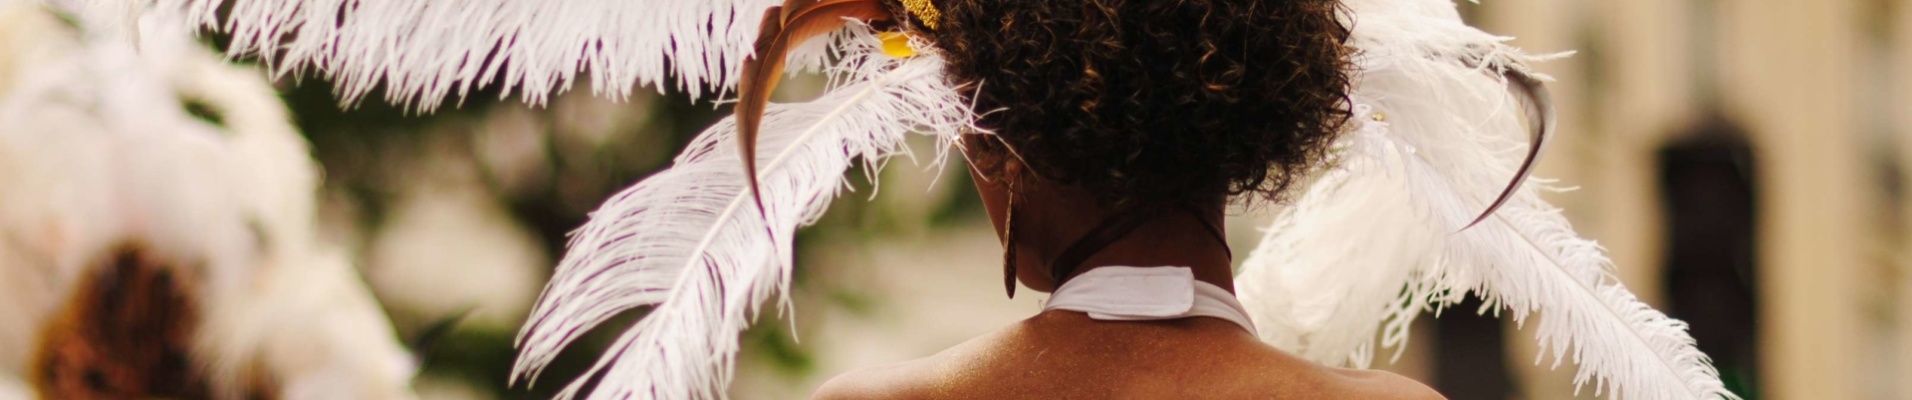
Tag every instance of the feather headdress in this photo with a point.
(705, 243)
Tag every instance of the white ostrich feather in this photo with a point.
(1378, 238)
(420, 51)
(688, 243)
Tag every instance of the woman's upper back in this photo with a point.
(1066, 355)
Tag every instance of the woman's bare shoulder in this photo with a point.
(917, 380)
(893, 381)
(1384, 385)
(1219, 369)
(927, 377)
(1272, 373)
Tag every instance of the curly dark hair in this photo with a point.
(1153, 100)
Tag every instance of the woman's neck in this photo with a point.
(1061, 227)
(1174, 238)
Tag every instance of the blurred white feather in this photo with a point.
(1378, 238)
(687, 243)
(99, 151)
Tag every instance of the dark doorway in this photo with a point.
(1709, 193)
(1471, 354)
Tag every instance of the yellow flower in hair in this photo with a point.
(896, 44)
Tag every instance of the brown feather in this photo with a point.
(783, 27)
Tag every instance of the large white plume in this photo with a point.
(688, 244)
(1378, 238)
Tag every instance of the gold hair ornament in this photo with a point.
(924, 11)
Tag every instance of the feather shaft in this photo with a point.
(782, 156)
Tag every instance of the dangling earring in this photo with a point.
(1009, 247)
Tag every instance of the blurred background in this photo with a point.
(1743, 161)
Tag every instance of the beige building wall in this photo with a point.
(1793, 88)
(1901, 112)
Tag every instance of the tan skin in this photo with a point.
(1065, 355)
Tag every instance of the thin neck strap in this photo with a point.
(1114, 229)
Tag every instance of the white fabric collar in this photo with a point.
(1147, 294)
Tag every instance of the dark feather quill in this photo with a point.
(784, 27)
(1540, 103)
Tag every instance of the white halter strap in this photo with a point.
(1147, 294)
